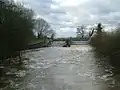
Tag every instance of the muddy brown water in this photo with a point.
(60, 68)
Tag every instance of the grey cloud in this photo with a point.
(103, 6)
(106, 11)
(55, 16)
(41, 6)
(90, 12)
(66, 33)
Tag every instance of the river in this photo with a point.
(60, 68)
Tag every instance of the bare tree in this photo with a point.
(42, 27)
(80, 31)
(53, 35)
(91, 32)
(99, 28)
(96, 29)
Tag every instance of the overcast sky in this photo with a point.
(65, 15)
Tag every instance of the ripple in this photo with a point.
(58, 68)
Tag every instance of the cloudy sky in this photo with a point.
(65, 15)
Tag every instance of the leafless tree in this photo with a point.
(80, 31)
(42, 27)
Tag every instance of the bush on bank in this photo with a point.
(16, 25)
(108, 44)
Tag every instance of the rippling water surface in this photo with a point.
(60, 68)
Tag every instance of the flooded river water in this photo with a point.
(60, 68)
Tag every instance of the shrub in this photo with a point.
(16, 25)
(108, 44)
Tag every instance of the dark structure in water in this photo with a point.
(67, 43)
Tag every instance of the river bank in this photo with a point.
(39, 44)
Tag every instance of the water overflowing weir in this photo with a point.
(62, 43)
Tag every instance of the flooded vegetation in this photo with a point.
(60, 68)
